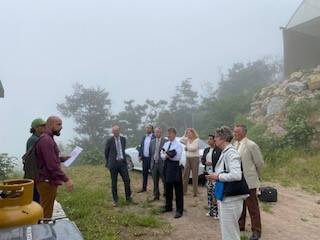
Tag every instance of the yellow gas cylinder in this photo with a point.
(16, 205)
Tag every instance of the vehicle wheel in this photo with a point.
(129, 163)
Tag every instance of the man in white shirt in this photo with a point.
(252, 163)
(171, 153)
(144, 156)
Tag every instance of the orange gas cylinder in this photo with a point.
(16, 205)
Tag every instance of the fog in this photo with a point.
(134, 49)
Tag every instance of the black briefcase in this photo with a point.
(268, 194)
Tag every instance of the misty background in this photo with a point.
(132, 49)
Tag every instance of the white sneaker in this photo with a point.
(208, 214)
(216, 217)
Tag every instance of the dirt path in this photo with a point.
(296, 215)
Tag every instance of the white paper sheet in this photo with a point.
(73, 156)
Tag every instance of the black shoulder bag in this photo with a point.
(237, 187)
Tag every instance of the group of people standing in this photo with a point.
(230, 158)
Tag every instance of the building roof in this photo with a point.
(306, 19)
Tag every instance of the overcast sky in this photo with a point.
(135, 49)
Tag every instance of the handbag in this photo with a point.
(236, 188)
(228, 189)
(219, 190)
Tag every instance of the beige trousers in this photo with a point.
(192, 164)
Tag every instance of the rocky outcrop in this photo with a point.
(269, 106)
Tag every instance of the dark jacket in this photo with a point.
(141, 149)
(215, 156)
(32, 140)
(110, 151)
(152, 150)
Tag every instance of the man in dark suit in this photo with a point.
(172, 151)
(116, 163)
(156, 164)
(144, 156)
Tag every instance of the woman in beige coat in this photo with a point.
(191, 142)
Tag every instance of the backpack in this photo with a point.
(30, 162)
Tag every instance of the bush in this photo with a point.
(299, 133)
(93, 157)
(6, 165)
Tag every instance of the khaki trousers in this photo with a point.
(48, 193)
(192, 164)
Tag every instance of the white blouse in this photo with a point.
(192, 147)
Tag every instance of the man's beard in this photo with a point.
(56, 133)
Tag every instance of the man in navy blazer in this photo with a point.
(117, 164)
(144, 156)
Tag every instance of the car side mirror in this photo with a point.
(138, 148)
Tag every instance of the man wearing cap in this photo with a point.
(37, 128)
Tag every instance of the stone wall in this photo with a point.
(269, 106)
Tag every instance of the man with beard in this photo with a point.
(50, 173)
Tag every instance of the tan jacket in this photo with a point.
(252, 161)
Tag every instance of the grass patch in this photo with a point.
(90, 206)
(294, 168)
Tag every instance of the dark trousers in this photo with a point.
(253, 206)
(122, 169)
(145, 172)
(178, 187)
(157, 174)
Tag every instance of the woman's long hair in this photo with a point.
(194, 133)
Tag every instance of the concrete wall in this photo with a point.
(301, 51)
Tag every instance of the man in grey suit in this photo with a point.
(156, 164)
(117, 164)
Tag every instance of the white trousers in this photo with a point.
(229, 214)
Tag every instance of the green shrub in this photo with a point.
(92, 157)
(6, 165)
(299, 133)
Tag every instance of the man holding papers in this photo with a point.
(50, 174)
(117, 164)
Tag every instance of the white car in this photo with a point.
(132, 155)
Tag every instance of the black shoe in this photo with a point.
(255, 236)
(141, 191)
(164, 210)
(178, 215)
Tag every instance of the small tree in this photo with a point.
(90, 108)
(6, 165)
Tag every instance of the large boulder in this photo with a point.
(295, 76)
(314, 82)
(296, 87)
(275, 105)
